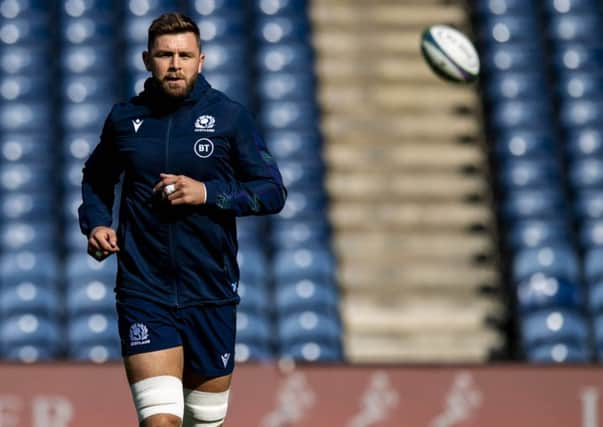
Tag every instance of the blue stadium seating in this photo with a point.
(502, 29)
(520, 143)
(559, 353)
(512, 57)
(284, 57)
(254, 299)
(589, 204)
(246, 352)
(302, 145)
(293, 234)
(574, 27)
(541, 291)
(586, 173)
(92, 329)
(308, 326)
(302, 295)
(97, 353)
(253, 329)
(593, 265)
(540, 203)
(504, 7)
(282, 28)
(570, 6)
(526, 114)
(560, 262)
(30, 297)
(534, 233)
(524, 173)
(27, 207)
(576, 56)
(595, 297)
(516, 85)
(30, 329)
(95, 296)
(28, 265)
(584, 142)
(581, 112)
(312, 351)
(307, 263)
(553, 326)
(28, 148)
(576, 85)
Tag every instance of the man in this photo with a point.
(192, 161)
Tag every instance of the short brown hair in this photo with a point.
(172, 23)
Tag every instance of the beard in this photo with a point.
(177, 89)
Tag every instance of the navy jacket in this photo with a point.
(179, 255)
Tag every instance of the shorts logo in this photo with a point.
(139, 334)
(205, 124)
(203, 148)
(225, 358)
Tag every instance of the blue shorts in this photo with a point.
(206, 333)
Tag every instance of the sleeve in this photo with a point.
(257, 187)
(100, 175)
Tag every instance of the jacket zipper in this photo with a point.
(170, 232)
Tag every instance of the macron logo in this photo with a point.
(225, 358)
(137, 123)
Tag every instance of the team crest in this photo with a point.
(205, 123)
(139, 334)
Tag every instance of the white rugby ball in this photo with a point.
(450, 54)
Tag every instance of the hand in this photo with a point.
(102, 242)
(187, 191)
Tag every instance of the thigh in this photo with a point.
(208, 338)
(150, 343)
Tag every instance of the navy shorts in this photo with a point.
(206, 333)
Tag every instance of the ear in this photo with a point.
(146, 59)
(202, 60)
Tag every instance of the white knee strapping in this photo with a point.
(203, 409)
(158, 395)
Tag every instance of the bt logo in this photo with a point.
(203, 148)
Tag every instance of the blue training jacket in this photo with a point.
(179, 255)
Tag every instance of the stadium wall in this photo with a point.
(66, 395)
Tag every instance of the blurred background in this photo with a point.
(426, 221)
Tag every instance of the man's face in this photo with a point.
(174, 61)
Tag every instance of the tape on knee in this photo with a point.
(158, 395)
(203, 409)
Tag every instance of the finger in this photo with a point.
(182, 200)
(176, 195)
(165, 180)
(103, 241)
(113, 240)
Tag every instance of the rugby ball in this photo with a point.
(450, 54)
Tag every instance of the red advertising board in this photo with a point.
(73, 395)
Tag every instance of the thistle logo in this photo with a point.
(203, 148)
(205, 123)
(139, 334)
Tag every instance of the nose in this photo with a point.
(176, 62)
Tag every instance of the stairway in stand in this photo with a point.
(408, 182)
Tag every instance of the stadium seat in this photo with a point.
(82, 266)
(284, 57)
(307, 263)
(85, 116)
(23, 88)
(586, 173)
(306, 294)
(576, 56)
(92, 329)
(81, 88)
(224, 57)
(559, 262)
(595, 297)
(254, 299)
(312, 351)
(96, 296)
(591, 233)
(87, 8)
(27, 148)
(293, 234)
(528, 144)
(584, 142)
(516, 85)
(579, 85)
(253, 329)
(553, 326)
(30, 297)
(30, 353)
(503, 7)
(579, 113)
(34, 236)
(19, 116)
(88, 59)
(77, 146)
(27, 265)
(559, 353)
(82, 31)
(285, 86)
(520, 114)
(588, 204)
(222, 26)
(308, 326)
(512, 57)
(96, 353)
(301, 176)
(544, 203)
(25, 30)
(582, 28)
(253, 266)
(541, 291)
(27, 207)
(30, 329)
(287, 115)
(536, 233)
(502, 29)
(250, 352)
(528, 173)
(280, 7)
(593, 264)
(212, 7)
(26, 178)
(282, 29)
(251, 229)
(300, 145)
(303, 205)
(20, 60)
(598, 330)
(554, 7)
